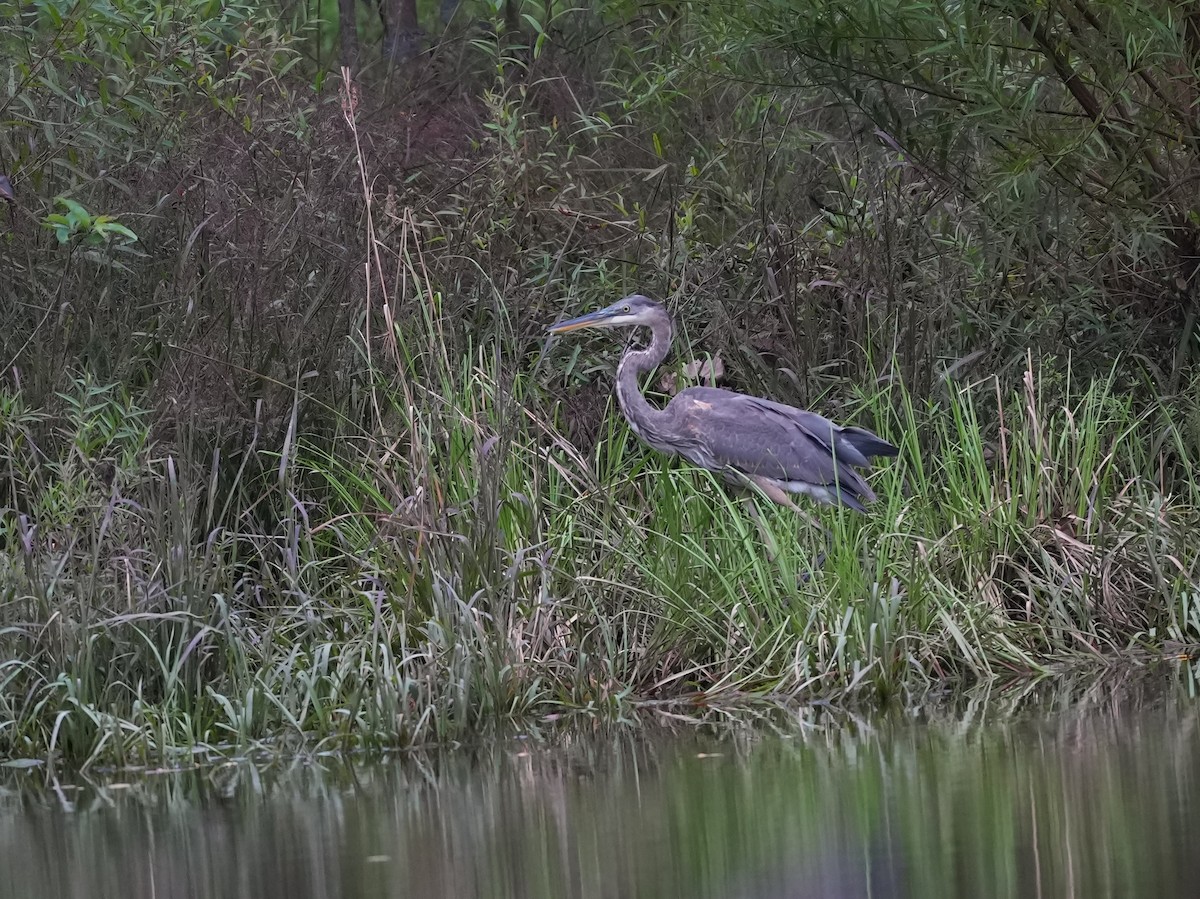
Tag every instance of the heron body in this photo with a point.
(747, 440)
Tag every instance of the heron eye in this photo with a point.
(625, 308)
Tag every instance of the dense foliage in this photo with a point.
(285, 451)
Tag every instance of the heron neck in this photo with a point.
(637, 362)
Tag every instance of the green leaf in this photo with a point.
(109, 228)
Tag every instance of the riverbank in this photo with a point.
(1095, 781)
(355, 592)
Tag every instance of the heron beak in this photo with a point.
(591, 320)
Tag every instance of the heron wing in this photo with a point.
(723, 429)
(853, 445)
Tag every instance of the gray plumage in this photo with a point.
(748, 440)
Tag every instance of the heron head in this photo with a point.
(632, 310)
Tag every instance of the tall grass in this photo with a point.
(460, 565)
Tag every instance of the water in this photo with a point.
(1088, 792)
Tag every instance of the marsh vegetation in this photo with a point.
(286, 458)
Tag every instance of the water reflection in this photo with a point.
(1034, 792)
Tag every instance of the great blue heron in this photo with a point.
(747, 440)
